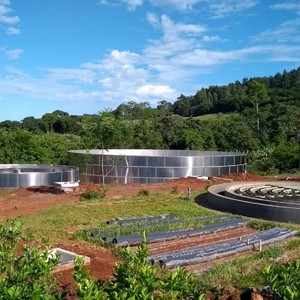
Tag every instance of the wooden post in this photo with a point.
(260, 246)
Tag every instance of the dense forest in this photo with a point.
(260, 116)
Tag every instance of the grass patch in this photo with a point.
(259, 224)
(214, 117)
(60, 223)
(242, 272)
(6, 192)
(140, 226)
(248, 271)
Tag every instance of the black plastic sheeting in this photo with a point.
(217, 250)
(143, 218)
(137, 238)
(145, 223)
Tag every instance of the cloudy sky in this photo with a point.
(83, 56)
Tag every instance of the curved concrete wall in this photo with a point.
(152, 166)
(223, 198)
(24, 175)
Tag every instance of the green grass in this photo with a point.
(213, 117)
(62, 222)
(247, 271)
(6, 192)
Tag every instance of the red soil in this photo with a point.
(25, 201)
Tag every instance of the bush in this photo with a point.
(26, 275)
(93, 194)
(143, 192)
(136, 279)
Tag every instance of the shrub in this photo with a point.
(26, 275)
(93, 194)
(174, 190)
(144, 192)
(136, 279)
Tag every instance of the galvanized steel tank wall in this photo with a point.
(153, 166)
(25, 175)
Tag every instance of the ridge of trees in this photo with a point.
(260, 116)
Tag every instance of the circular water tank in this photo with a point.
(25, 175)
(153, 166)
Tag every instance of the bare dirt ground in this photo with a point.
(25, 201)
(180, 244)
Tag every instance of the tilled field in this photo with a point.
(26, 201)
(175, 245)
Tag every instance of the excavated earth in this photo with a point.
(25, 201)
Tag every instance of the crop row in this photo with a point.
(162, 235)
(148, 224)
(221, 249)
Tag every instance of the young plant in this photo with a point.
(135, 278)
(93, 194)
(284, 280)
(26, 275)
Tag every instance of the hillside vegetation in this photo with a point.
(260, 116)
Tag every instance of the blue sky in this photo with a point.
(83, 56)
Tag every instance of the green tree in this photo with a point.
(164, 108)
(105, 131)
(183, 106)
(257, 94)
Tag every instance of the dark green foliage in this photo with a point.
(259, 116)
(143, 192)
(25, 275)
(135, 278)
(23, 147)
(262, 224)
(93, 194)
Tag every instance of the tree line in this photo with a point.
(260, 116)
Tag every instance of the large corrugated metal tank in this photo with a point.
(153, 166)
(25, 175)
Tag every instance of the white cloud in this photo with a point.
(213, 38)
(288, 6)
(181, 5)
(133, 4)
(6, 19)
(216, 8)
(172, 30)
(150, 90)
(18, 82)
(205, 58)
(287, 32)
(162, 68)
(153, 20)
(225, 8)
(14, 54)
(13, 31)
(79, 75)
(9, 20)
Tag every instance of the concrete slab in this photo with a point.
(67, 259)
